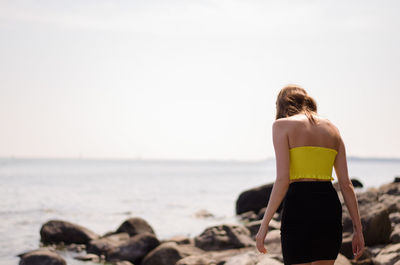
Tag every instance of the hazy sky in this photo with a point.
(192, 79)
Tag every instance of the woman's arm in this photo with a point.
(280, 187)
(350, 199)
(346, 186)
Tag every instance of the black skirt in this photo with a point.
(311, 224)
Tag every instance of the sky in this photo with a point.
(192, 79)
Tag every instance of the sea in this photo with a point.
(100, 194)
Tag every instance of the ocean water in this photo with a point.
(101, 194)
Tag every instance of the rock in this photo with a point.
(346, 247)
(367, 197)
(268, 259)
(376, 224)
(124, 262)
(224, 236)
(76, 247)
(254, 226)
(341, 260)
(41, 257)
(273, 242)
(203, 213)
(395, 235)
(395, 218)
(375, 221)
(373, 251)
(88, 257)
(255, 199)
(104, 245)
(169, 253)
(390, 189)
(134, 226)
(135, 248)
(247, 258)
(197, 260)
(391, 202)
(213, 257)
(356, 183)
(248, 216)
(57, 231)
(388, 255)
(180, 240)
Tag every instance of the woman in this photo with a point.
(307, 147)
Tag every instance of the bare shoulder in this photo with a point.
(283, 124)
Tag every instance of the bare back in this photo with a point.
(302, 132)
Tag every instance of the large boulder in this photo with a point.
(104, 245)
(224, 236)
(134, 249)
(169, 253)
(41, 257)
(134, 226)
(375, 220)
(57, 231)
(255, 199)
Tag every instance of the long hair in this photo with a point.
(293, 99)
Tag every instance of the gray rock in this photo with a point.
(57, 231)
(104, 245)
(134, 226)
(41, 257)
(135, 249)
(388, 255)
(224, 236)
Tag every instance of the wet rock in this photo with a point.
(104, 245)
(224, 237)
(135, 249)
(57, 231)
(41, 257)
(134, 226)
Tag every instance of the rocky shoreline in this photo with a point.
(135, 242)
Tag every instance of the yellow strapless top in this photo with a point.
(312, 162)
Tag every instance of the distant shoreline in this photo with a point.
(349, 158)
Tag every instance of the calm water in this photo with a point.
(101, 194)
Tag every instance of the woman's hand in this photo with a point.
(260, 238)
(358, 244)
